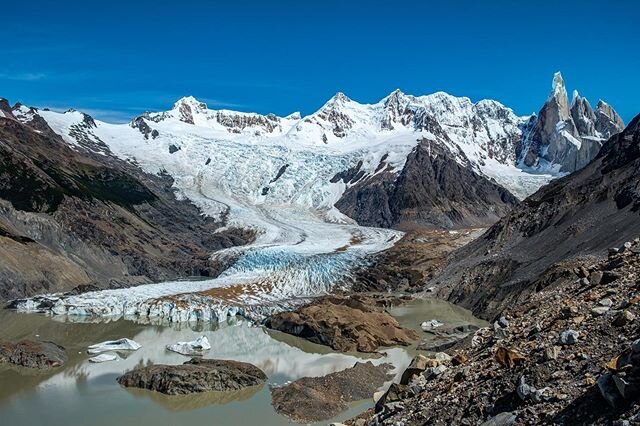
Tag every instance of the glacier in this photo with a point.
(277, 176)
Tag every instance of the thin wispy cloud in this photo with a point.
(24, 76)
(217, 103)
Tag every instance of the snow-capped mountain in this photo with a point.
(435, 160)
(519, 153)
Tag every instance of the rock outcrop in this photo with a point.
(553, 358)
(344, 324)
(194, 376)
(312, 399)
(32, 354)
(433, 190)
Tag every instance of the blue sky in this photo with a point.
(117, 59)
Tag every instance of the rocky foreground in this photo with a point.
(568, 355)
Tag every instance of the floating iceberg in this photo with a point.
(196, 347)
(431, 324)
(103, 358)
(114, 345)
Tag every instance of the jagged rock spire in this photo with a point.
(559, 96)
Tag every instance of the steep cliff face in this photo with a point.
(584, 213)
(72, 217)
(608, 122)
(568, 137)
(433, 190)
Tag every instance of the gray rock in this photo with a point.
(569, 337)
(527, 392)
(417, 366)
(503, 322)
(566, 136)
(595, 277)
(600, 310)
(605, 302)
(432, 373)
(608, 122)
(551, 353)
(433, 189)
(502, 419)
(524, 391)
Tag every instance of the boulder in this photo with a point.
(194, 376)
(396, 392)
(502, 419)
(417, 366)
(569, 337)
(32, 354)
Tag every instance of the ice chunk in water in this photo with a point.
(114, 345)
(196, 347)
(431, 324)
(103, 358)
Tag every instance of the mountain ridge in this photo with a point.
(581, 214)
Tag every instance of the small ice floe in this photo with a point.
(196, 347)
(431, 324)
(103, 358)
(114, 345)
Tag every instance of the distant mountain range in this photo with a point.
(434, 160)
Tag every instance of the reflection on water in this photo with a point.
(83, 393)
(194, 401)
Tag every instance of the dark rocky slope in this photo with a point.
(433, 190)
(582, 214)
(71, 217)
(568, 355)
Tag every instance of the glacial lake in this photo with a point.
(82, 393)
